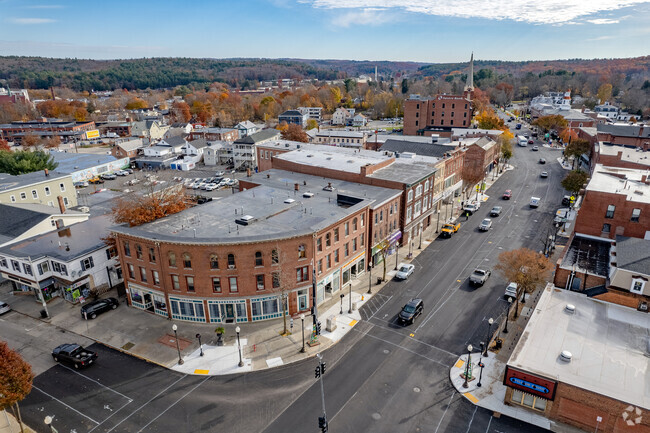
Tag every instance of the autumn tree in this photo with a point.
(149, 203)
(525, 267)
(567, 135)
(311, 124)
(16, 379)
(52, 142)
(576, 148)
(504, 143)
(574, 181)
(181, 112)
(136, 103)
(552, 122)
(489, 120)
(31, 140)
(283, 278)
(605, 93)
(294, 132)
(4, 146)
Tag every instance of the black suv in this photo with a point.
(92, 309)
(410, 311)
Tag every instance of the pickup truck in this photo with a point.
(479, 276)
(471, 207)
(449, 229)
(74, 354)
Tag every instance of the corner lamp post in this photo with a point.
(302, 319)
(467, 365)
(241, 362)
(175, 329)
(200, 345)
(342, 296)
(505, 329)
(487, 340)
(370, 279)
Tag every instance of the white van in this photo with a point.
(522, 141)
(534, 201)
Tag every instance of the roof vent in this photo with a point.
(289, 201)
(308, 194)
(310, 156)
(566, 356)
(245, 220)
(570, 308)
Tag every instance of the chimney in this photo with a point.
(61, 204)
(47, 172)
(296, 186)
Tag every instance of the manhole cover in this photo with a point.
(416, 389)
(376, 416)
(128, 346)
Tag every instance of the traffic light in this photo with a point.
(322, 368)
(317, 372)
(322, 424)
(317, 328)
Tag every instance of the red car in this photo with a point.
(507, 194)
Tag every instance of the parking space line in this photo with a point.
(66, 405)
(174, 404)
(446, 409)
(149, 401)
(109, 417)
(98, 383)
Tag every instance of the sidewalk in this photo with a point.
(150, 337)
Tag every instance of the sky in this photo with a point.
(435, 31)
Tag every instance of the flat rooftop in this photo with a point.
(10, 182)
(315, 184)
(80, 239)
(628, 154)
(214, 222)
(588, 253)
(71, 162)
(607, 343)
(623, 181)
(343, 158)
(285, 145)
(407, 169)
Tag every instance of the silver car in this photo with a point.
(4, 308)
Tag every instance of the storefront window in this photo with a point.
(528, 400)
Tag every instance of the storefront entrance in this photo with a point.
(148, 302)
(227, 313)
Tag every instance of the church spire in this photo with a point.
(470, 77)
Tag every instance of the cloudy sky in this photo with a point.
(407, 30)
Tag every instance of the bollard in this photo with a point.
(254, 347)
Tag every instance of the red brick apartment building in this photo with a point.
(442, 111)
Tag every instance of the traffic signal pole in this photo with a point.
(320, 372)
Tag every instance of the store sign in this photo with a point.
(530, 383)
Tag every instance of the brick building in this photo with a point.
(215, 134)
(127, 148)
(583, 363)
(232, 260)
(429, 116)
(625, 135)
(65, 130)
(480, 158)
(616, 202)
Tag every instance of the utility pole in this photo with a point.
(319, 373)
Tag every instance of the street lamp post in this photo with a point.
(350, 300)
(469, 360)
(48, 422)
(180, 359)
(370, 279)
(487, 340)
(200, 345)
(396, 253)
(241, 362)
(342, 296)
(505, 329)
(302, 318)
(420, 246)
(480, 364)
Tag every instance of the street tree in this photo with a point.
(4, 145)
(283, 278)
(525, 267)
(21, 162)
(576, 148)
(405, 86)
(553, 122)
(16, 379)
(574, 181)
(30, 141)
(295, 132)
(605, 93)
(489, 120)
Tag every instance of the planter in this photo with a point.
(219, 339)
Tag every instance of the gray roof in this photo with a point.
(131, 145)
(199, 144)
(406, 170)
(315, 184)
(176, 140)
(17, 219)
(81, 238)
(264, 135)
(214, 222)
(247, 124)
(10, 182)
(633, 254)
(71, 162)
(624, 130)
(292, 113)
(426, 149)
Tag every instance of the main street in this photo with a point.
(381, 377)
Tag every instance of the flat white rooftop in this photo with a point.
(628, 154)
(607, 343)
(608, 179)
(338, 158)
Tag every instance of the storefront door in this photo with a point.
(227, 313)
(148, 302)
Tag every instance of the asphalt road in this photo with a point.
(380, 377)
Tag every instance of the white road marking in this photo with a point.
(488, 426)
(98, 383)
(471, 419)
(68, 406)
(445, 412)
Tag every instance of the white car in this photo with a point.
(220, 173)
(511, 291)
(485, 225)
(4, 308)
(404, 271)
(122, 173)
(211, 187)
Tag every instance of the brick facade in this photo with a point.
(440, 111)
(593, 216)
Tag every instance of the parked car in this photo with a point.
(92, 309)
(518, 126)
(531, 142)
(81, 184)
(449, 229)
(121, 173)
(511, 291)
(404, 271)
(496, 211)
(75, 354)
(566, 200)
(485, 225)
(544, 174)
(470, 208)
(128, 170)
(4, 308)
(534, 148)
(109, 176)
(220, 173)
(411, 311)
(132, 181)
(479, 276)
(542, 161)
(507, 195)
(96, 180)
